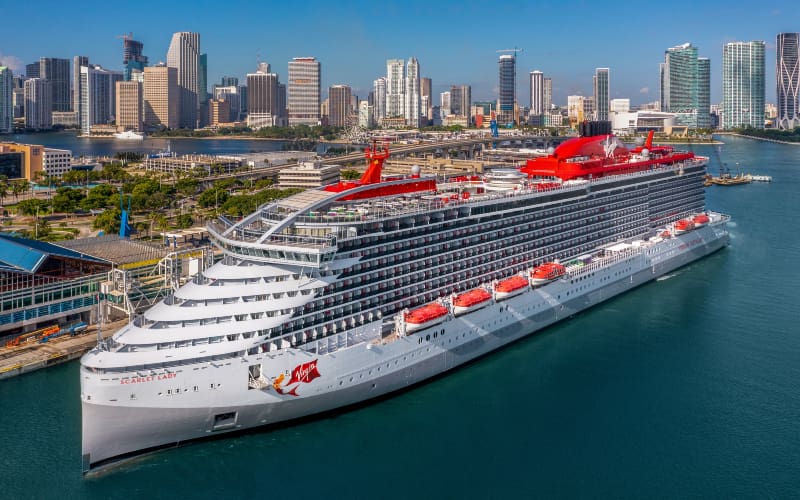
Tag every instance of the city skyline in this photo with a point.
(352, 51)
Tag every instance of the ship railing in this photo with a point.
(275, 239)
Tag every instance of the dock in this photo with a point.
(33, 356)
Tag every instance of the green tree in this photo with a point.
(100, 196)
(3, 191)
(350, 175)
(66, 199)
(187, 186)
(184, 221)
(213, 197)
(108, 221)
(32, 207)
(19, 186)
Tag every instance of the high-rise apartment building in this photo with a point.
(219, 111)
(426, 98)
(537, 93)
(395, 88)
(202, 84)
(703, 92)
(32, 70)
(77, 62)
(686, 86)
(303, 91)
(461, 101)
(263, 98)
(184, 56)
(233, 103)
(412, 93)
(128, 113)
(445, 104)
(98, 96)
(229, 81)
(6, 100)
(743, 88)
(132, 58)
(38, 104)
(602, 94)
(547, 99)
(161, 97)
(379, 93)
(507, 97)
(787, 72)
(339, 105)
(57, 72)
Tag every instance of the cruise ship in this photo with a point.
(340, 294)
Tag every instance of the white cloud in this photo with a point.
(644, 90)
(13, 62)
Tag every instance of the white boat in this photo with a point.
(129, 135)
(306, 314)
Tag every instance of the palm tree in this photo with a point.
(18, 187)
(3, 191)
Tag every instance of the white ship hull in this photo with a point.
(214, 397)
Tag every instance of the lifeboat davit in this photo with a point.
(701, 220)
(547, 272)
(425, 316)
(683, 226)
(471, 301)
(510, 287)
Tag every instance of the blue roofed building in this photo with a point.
(43, 284)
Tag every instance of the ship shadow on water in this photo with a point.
(711, 266)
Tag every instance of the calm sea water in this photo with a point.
(685, 387)
(108, 146)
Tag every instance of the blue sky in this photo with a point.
(455, 42)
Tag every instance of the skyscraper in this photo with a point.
(412, 95)
(304, 91)
(233, 100)
(461, 100)
(602, 94)
(339, 105)
(426, 99)
(77, 62)
(57, 71)
(379, 91)
(184, 56)
(537, 93)
(6, 101)
(743, 89)
(703, 92)
(38, 104)
(98, 96)
(32, 70)
(686, 86)
(507, 97)
(128, 109)
(395, 88)
(547, 99)
(788, 80)
(160, 91)
(202, 84)
(132, 58)
(263, 98)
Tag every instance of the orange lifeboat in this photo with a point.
(509, 287)
(425, 316)
(471, 301)
(683, 225)
(547, 272)
(700, 220)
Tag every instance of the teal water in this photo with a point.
(106, 146)
(685, 387)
